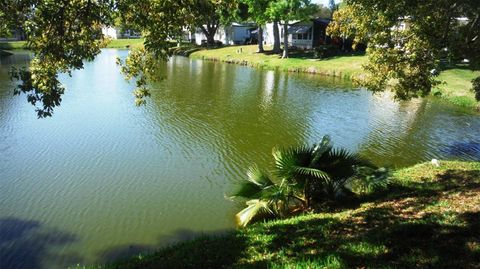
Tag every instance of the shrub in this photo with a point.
(325, 51)
(303, 179)
(476, 88)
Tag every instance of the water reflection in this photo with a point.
(117, 177)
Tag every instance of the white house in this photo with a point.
(115, 33)
(110, 32)
(301, 34)
(234, 34)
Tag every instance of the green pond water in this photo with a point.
(103, 179)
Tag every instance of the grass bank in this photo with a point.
(429, 218)
(341, 66)
(456, 86)
(125, 43)
(13, 45)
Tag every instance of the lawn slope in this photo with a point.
(344, 66)
(430, 217)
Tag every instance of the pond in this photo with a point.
(103, 179)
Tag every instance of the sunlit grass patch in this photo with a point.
(125, 43)
(456, 86)
(12, 45)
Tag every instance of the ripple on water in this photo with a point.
(114, 175)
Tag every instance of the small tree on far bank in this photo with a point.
(257, 11)
(210, 14)
(288, 11)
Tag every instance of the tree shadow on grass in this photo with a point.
(432, 225)
(27, 244)
(182, 249)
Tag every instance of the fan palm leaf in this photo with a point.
(255, 185)
(254, 208)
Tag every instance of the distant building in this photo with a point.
(116, 33)
(234, 34)
(303, 34)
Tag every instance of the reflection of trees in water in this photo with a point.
(245, 109)
(406, 133)
(397, 135)
(28, 244)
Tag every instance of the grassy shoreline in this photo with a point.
(125, 43)
(456, 86)
(13, 45)
(345, 66)
(429, 217)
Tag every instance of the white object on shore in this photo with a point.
(435, 162)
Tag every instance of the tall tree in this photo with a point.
(210, 14)
(409, 40)
(276, 37)
(257, 10)
(290, 10)
(322, 11)
(332, 5)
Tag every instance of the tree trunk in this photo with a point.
(260, 40)
(209, 33)
(210, 39)
(276, 38)
(285, 40)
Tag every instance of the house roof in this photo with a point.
(248, 24)
(299, 29)
(322, 20)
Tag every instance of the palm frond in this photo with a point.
(287, 160)
(255, 185)
(247, 190)
(321, 148)
(312, 172)
(254, 208)
(258, 177)
(343, 155)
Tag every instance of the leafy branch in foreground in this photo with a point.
(61, 35)
(303, 178)
(143, 67)
(64, 34)
(410, 41)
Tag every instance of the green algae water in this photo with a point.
(103, 179)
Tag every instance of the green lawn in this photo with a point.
(12, 45)
(125, 43)
(456, 86)
(429, 218)
(341, 66)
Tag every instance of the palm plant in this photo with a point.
(302, 175)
